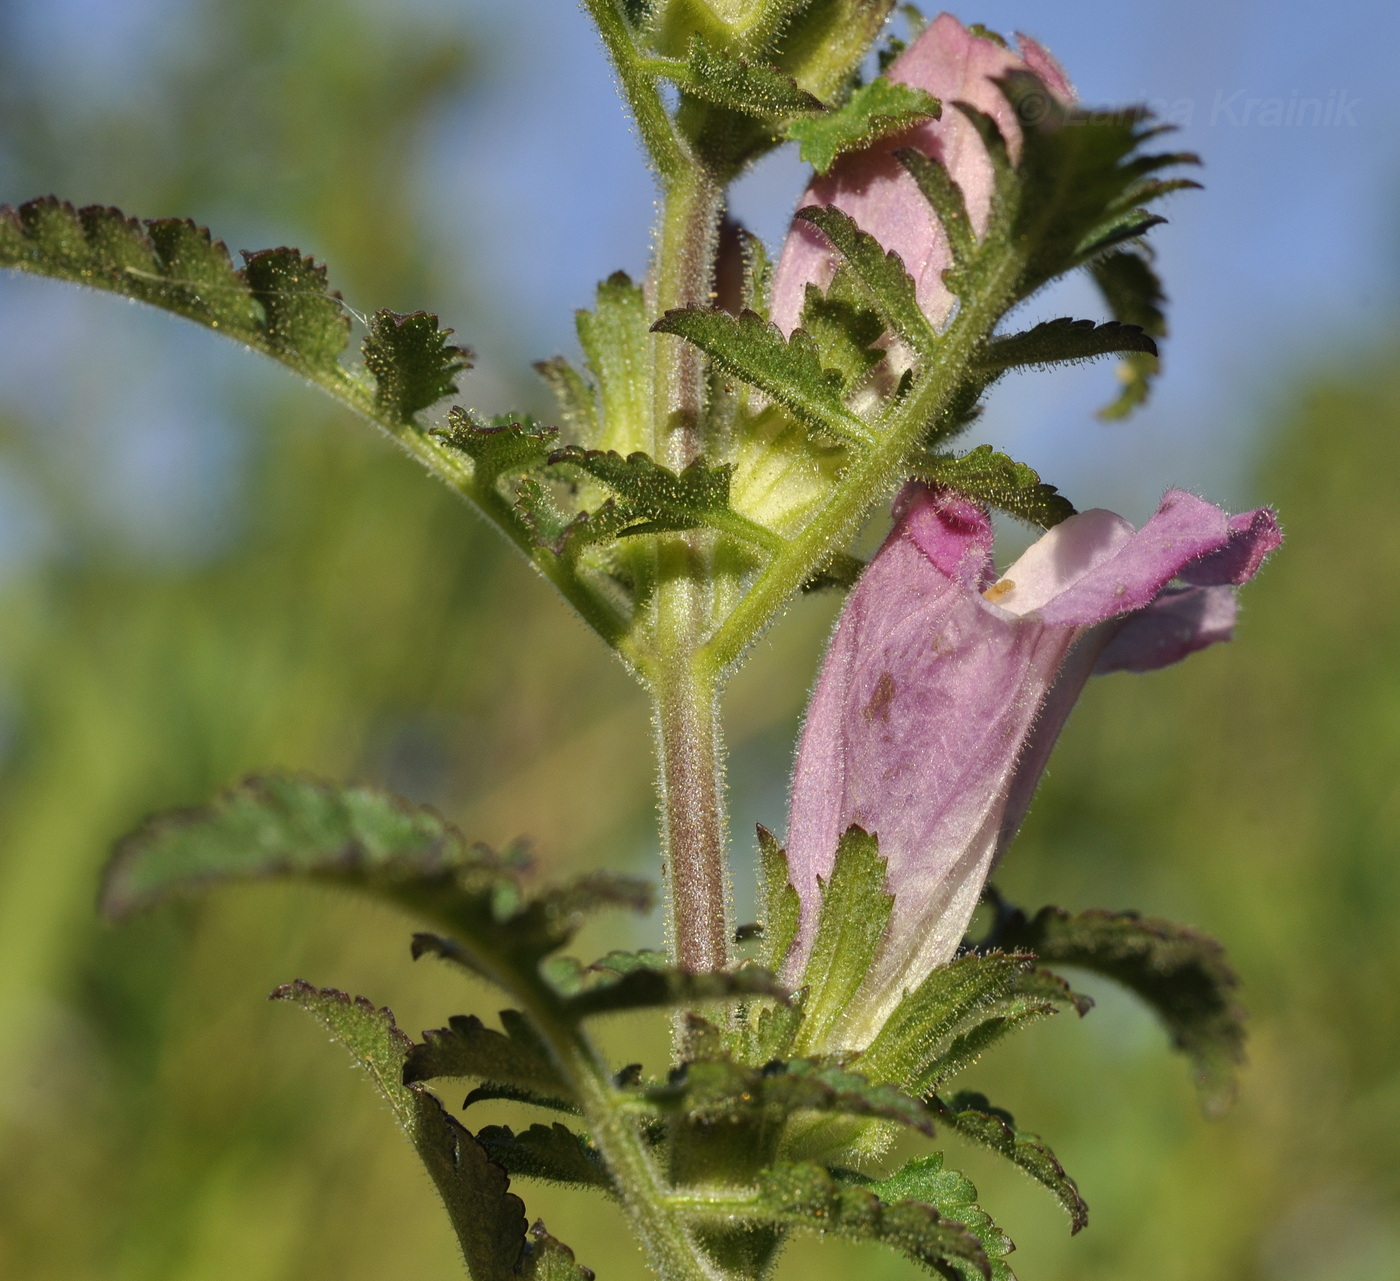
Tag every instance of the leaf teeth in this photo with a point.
(306, 322)
(1180, 973)
(750, 348)
(751, 88)
(873, 111)
(975, 1119)
(488, 1218)
(413, 364)
(1001, 482)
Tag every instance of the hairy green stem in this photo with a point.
(668, 153)
(668, 1243)
(690, 754)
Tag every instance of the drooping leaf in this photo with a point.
(882, 274)
(1083, 181)
(1134, 294)
(1001, 482)
(279, 303)
(748, 347)
(873, 111)
(751, 88)
(468, 1048)
(855, 909)
(1180, 973)
(357, 837)
(973, 1117)
(488, 1218)
(553, 1153)
(953, 1195)
(1063, 341)
(413, 363)
(802, 1196)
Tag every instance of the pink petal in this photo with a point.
(940, 698)
(1253, 535)
(1174, 625)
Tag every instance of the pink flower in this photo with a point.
(872, 186)
(945, 688)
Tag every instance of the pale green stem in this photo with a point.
(690, 756)
(668, 153)
(664, 1237)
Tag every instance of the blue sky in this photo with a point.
(531, 190)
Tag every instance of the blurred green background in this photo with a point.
(189, 595)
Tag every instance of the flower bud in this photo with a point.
(954, 65)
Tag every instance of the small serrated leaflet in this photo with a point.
(1001, 482)
(872, 112)
(413, 364)
(790, 371)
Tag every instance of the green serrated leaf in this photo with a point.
(750, 348)
(488, 1218)
(781, 907)
(1063, 341)
(1180, 973)
(855, 909)
(873, 111)
(280, 826)
(1134, 294)
(171, 264)
(468, 1048)
(619, 354)
(751, 88)
(1081, 187)
(953, 1195)
(641, 989)
(654, 495)
(711, 1091)
(845, 331)
(803, 1196)
(552, 1153)
(1000, 482)
(929, 1025)
(973, 1117)
(578, 405)
(412, 362)
(307, 325)
(882, 274)
(503, 447)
